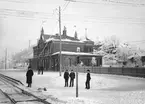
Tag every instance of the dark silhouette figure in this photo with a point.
(88, 78)
(66, 77)
(40, 69)
(72, 77)
(29, 75)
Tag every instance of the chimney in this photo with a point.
(76, 35)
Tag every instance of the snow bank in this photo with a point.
(105, 89)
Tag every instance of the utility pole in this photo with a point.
(6, 59)
(77, 77)
(60, 62)
(78, 62)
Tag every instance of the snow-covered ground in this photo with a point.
(105, 89)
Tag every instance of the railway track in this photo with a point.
(13, 93)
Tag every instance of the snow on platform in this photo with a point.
(105, 89)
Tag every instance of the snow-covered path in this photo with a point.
(105, 89)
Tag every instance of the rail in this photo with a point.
(12, 79)
(15, 84)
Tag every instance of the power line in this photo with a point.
(110, 3)
(90, 19)
(105, 2)
(25, 18)
(14, 1)
(25, 14)
(107, 22)
(66, 5)
(24, 11)
(120, 2)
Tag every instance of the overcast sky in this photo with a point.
(100, 17)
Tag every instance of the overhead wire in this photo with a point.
(66, 5)
(111, 2)
(44, 15)
(14, 1)
(118, 20)
(90, 19)
(25, 14)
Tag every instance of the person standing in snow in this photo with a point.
(42, 68)
(29, 75)
(66, 77)
(38, 68)
(72, 77)
(88, 78)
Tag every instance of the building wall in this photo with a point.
(68, 46)
(50, 62)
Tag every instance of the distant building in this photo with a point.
(47, 51)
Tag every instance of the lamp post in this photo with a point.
(60, 41)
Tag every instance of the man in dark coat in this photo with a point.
(38, 68)
(66, 77)
(29, 75)
(41, 69)
(72, 77)
(88, 78)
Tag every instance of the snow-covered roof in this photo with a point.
(75, 53)
(50, 39)
(66, 40)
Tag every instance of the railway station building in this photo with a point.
(47, 51)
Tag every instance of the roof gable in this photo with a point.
(58, 37)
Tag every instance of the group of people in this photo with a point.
(66, 77)
(30, 73)
(72, 77)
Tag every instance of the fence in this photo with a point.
(130, 71)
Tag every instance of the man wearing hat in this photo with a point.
(88, 78)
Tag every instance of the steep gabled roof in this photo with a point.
(57, 37)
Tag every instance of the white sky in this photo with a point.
(127, 22)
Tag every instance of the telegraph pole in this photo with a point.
(6, 59)
(78, 62)
(60, 62)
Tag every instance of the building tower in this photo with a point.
(76, 35)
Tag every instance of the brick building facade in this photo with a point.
(47, 51)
